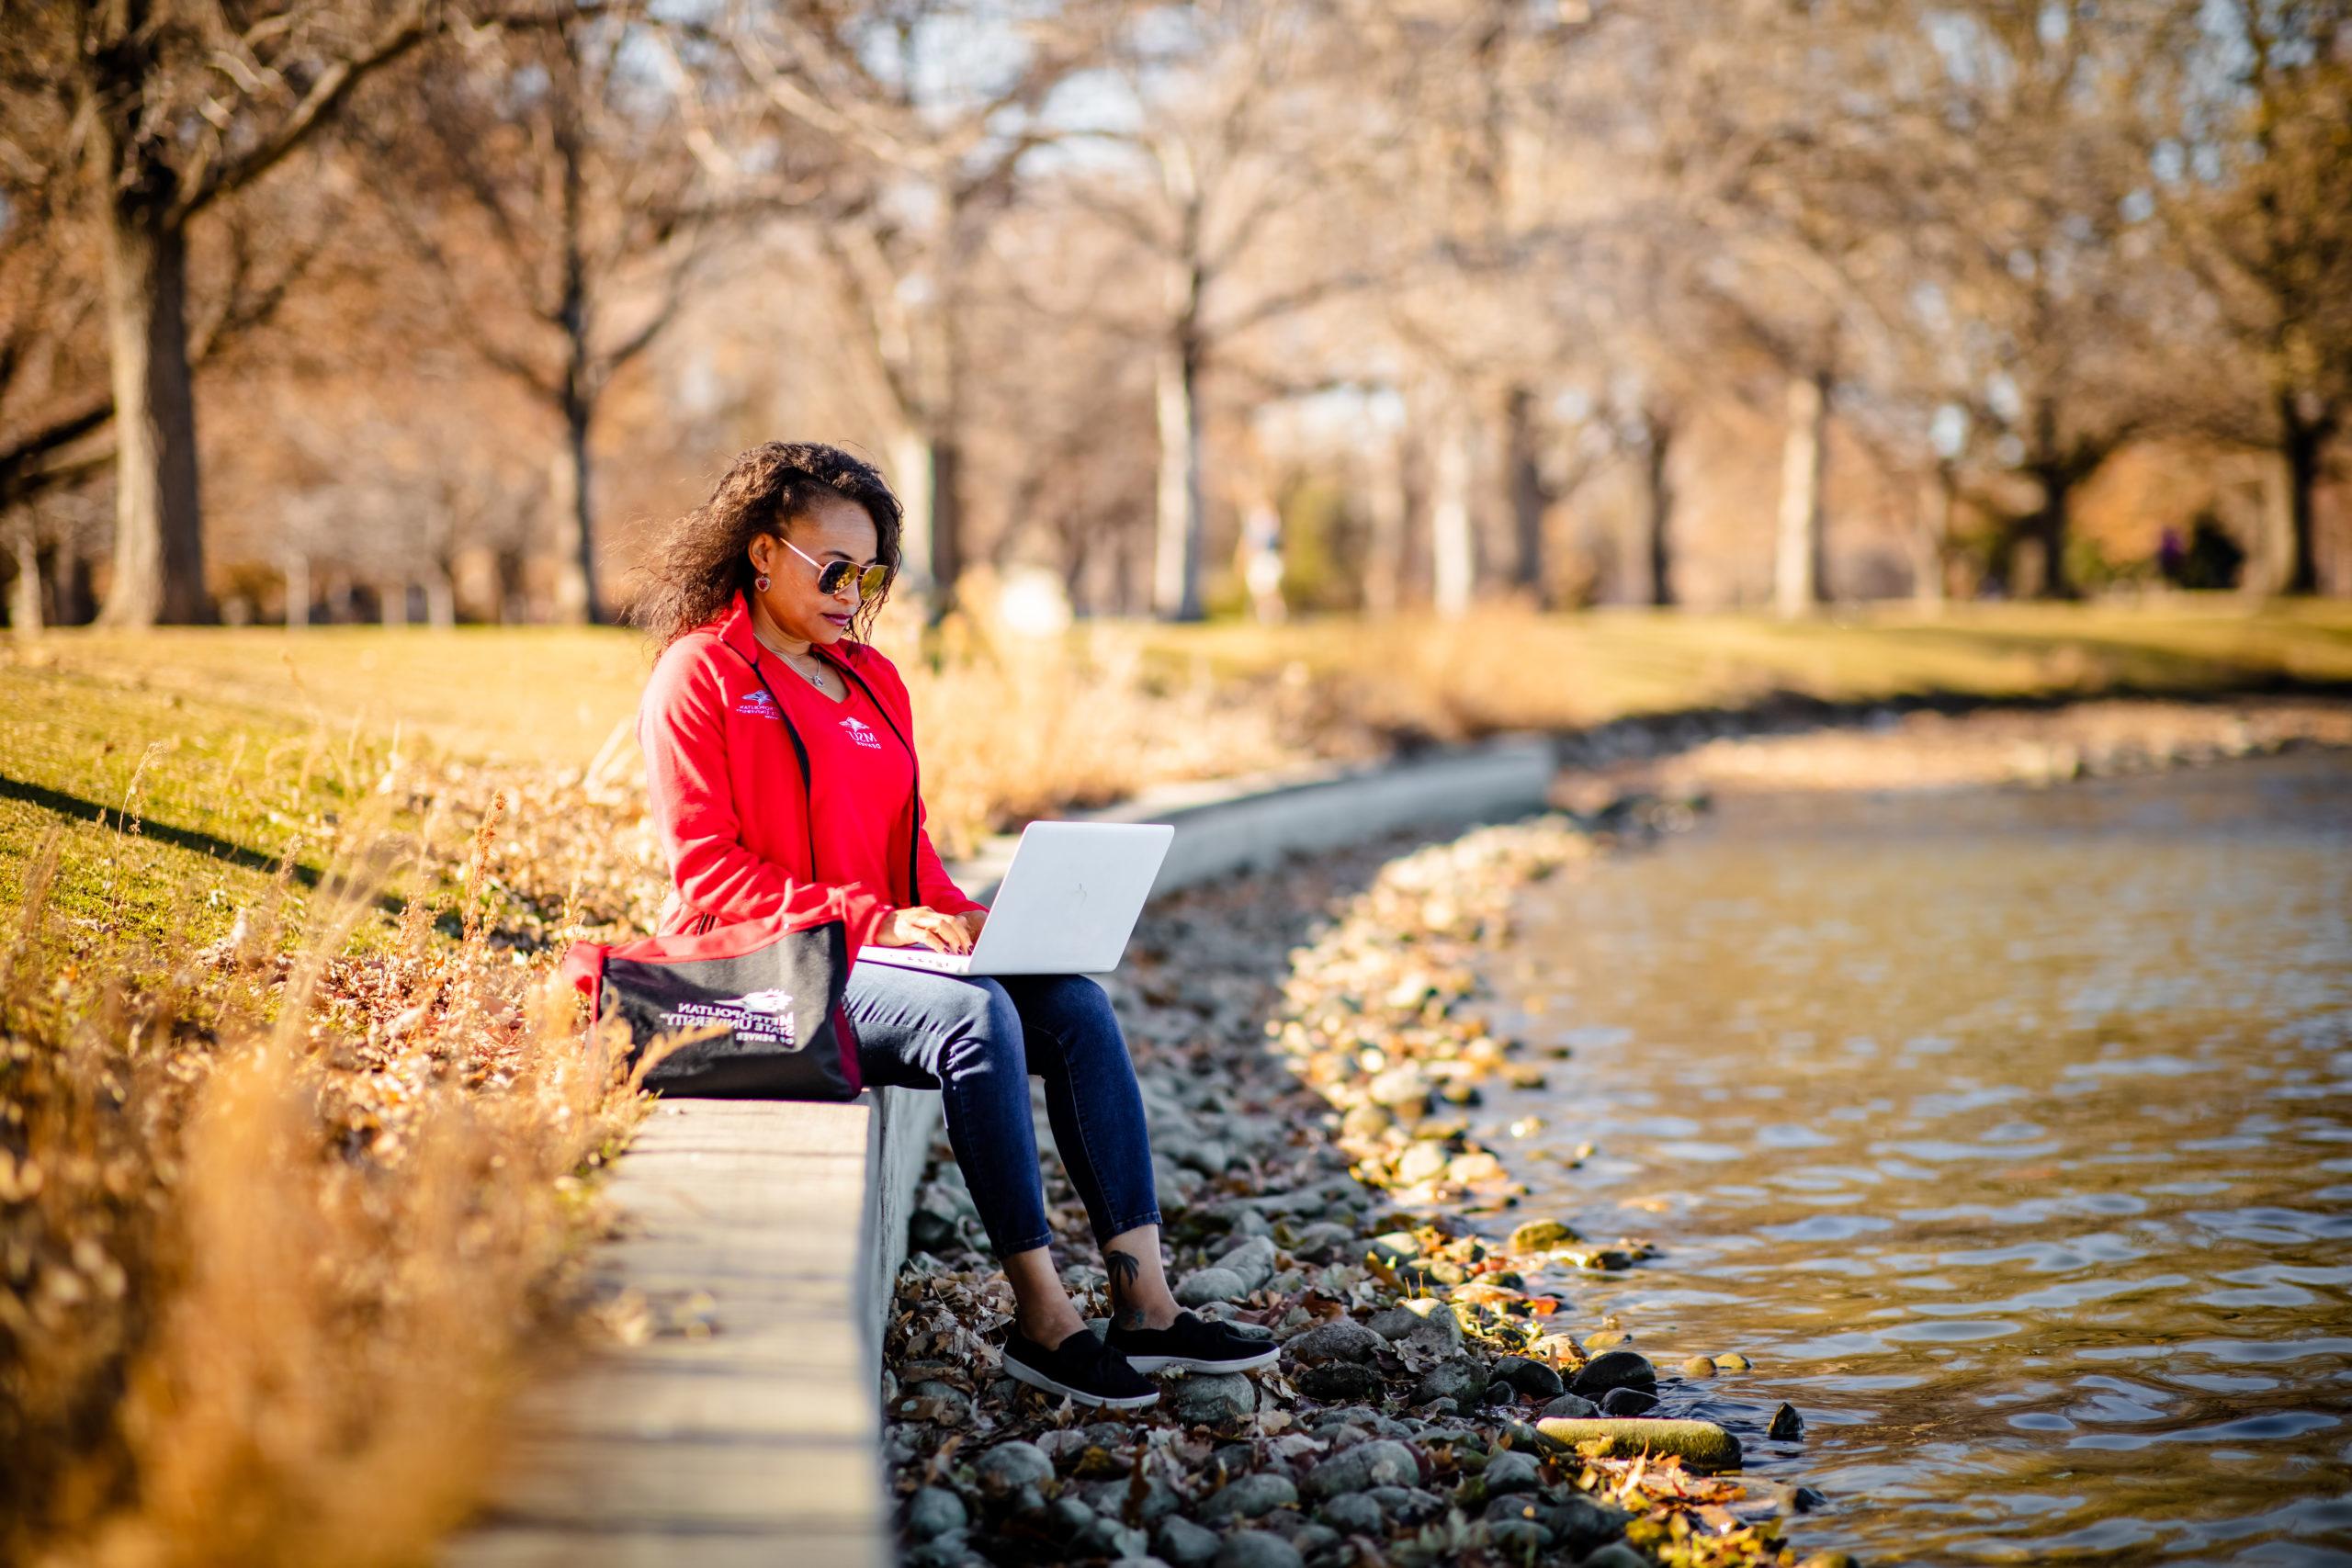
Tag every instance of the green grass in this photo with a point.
(175, 810)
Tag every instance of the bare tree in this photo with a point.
(929, 154)
(173, 107)
(2257, 180)
(546, 182)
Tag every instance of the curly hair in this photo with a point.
(703, 557)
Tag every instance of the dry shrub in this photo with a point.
(281, 1234)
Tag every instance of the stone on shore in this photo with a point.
(1253, 1260)
(1571, 1407)
(1511, 1471)
(934, 1511)
(1337, 1382)
(1342, 1339)
(1009, 1466)
(1400, 1089)
(1211, 1399)
(1461, 1380)
(1183, 1543)
(1203, 1286)
(1701, 1444)
(1615, 1368)
(1534, 1235)
(1382, 1462)
(1247, 1496)
(1351, 1512)
(1529, 1376)
(1257, 1549)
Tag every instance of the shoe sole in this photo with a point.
(1149, 1364)
(1036, 1379)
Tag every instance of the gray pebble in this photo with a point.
(1312, 1539)
(1205, 1285)
(1571, 1407)
(1109, 1538)
(1253, 1260)
(1461, 1380)
(1407, 1505)
(1009, 1466)
(1323, 1240)
(1338, 1381)
(1529, 1376)
(1210, 1399)
(1183, 1543)
(934, 1511)
(1511, 1471)
(1343, 1339)
(1247, 1496)
(1351, 1512)
(1257, 1549)
(1382, 1462)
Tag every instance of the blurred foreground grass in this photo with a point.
(297, 1131)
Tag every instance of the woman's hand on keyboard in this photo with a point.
(921, 926)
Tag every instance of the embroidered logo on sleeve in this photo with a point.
(758, 705)
(860, 733)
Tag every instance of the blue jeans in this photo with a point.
(977, 1039)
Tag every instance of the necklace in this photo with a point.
(817, 679)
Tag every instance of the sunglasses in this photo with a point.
(832, 574)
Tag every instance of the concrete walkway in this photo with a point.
(759, 1441)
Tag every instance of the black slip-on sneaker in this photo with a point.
(1081, 1369)
(1193, 1344)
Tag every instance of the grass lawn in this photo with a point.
(226, 747)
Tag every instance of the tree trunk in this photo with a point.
(2299, 455)
(1930, 533)
(1383, 573)
(440, 600)
(575, 544)
(159, 525)
(1657, 493)
(929, 465)
(1452, 549)
(24, 594)
(1797, 574)
(1176, 563)
(1527, 498)
(392, 603)
(298, 592)
(2047, 528)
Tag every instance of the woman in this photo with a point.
(764, 596)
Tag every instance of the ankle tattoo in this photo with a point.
(1123, 1268)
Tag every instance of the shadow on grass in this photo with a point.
(209, 845)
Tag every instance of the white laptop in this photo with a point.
(1067, 905)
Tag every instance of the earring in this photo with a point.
(761, 582)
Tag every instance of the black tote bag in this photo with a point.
(764, 998)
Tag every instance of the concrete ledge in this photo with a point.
(759, 1441)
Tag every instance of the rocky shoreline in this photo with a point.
(1306, 1043)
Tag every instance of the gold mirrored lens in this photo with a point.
(869, 582)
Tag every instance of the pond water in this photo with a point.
(2009, 1132)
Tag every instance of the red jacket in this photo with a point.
(727, 800)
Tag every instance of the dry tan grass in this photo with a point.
(283, 1229)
